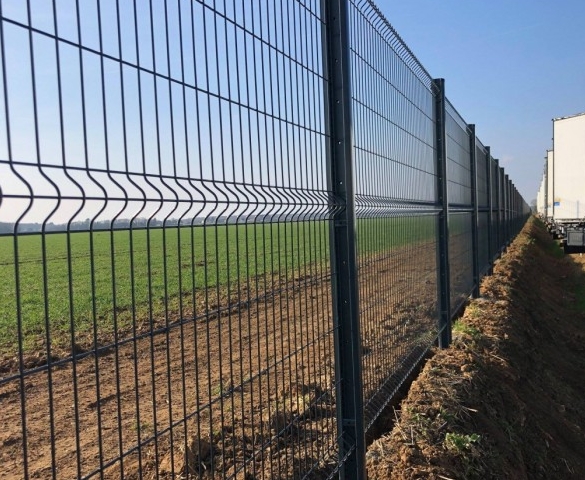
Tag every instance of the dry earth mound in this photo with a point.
(507, 401)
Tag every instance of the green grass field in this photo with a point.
(106, 281)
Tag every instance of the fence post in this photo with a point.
(501, 205)
(498, 245)
(507, 208)
(444, 278)
(474, 213)
(344, 281)
(488, 152)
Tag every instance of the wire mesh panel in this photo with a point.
(495, 202)
(483, 206)
(170, 215)
(507, 207)
(165, 279)
(395, 205)
(501, 208)
(460, 207)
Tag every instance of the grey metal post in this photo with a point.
(498, 209)
(344, 282)
(514, 202)
(474, 213)
(502, 210)
(444, 287)
(509, 205)
(506, 211)
(488, 153)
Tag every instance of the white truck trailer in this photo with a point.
(565, 191)
(540, 197)
(548, 192)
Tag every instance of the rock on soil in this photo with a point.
(507, 401)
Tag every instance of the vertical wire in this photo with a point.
(302, 217)
(302, 213)
(45, 275)
(217, 227)
(293, 352)
(248, 231)
(92, 252)
(313, 212)
(326, 228)
(44, 258)
(206, 227)
(132, 254)
(112, 260)
(15, 243)
(360, 158)
(361, 161)
(318, 261)
(323, 268)
(198, 391)
(387, 221)
(274, 241)
(179, 243)
(164, 231)
(311, 260)
(288, 261)
(155, 435)
(217, 177)
(228, 228)
(239, 229)
(265, 181)
(271, 180)
(256, 179)
(297, 351)
(79, 186)
(131, 259)
(294, 213)
(69, 260)
(374, 246)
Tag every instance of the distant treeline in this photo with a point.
(124, 224)
(84, 225)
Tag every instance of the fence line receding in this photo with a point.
(229, 231)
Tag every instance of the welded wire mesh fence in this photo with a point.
(228, 233)
(396, 196)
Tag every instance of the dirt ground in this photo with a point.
(507, 401)
(246, 392)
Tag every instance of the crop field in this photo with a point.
(258, 374)
(93, 287)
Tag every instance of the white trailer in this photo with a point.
(566, 180)
(548, 188)
(540, 197)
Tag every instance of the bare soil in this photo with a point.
(247, 392)
(507, 401)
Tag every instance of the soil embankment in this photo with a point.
(507, 401)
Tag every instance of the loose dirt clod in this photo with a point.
(190, 460)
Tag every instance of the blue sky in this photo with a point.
(510, 66)
(162, 120)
